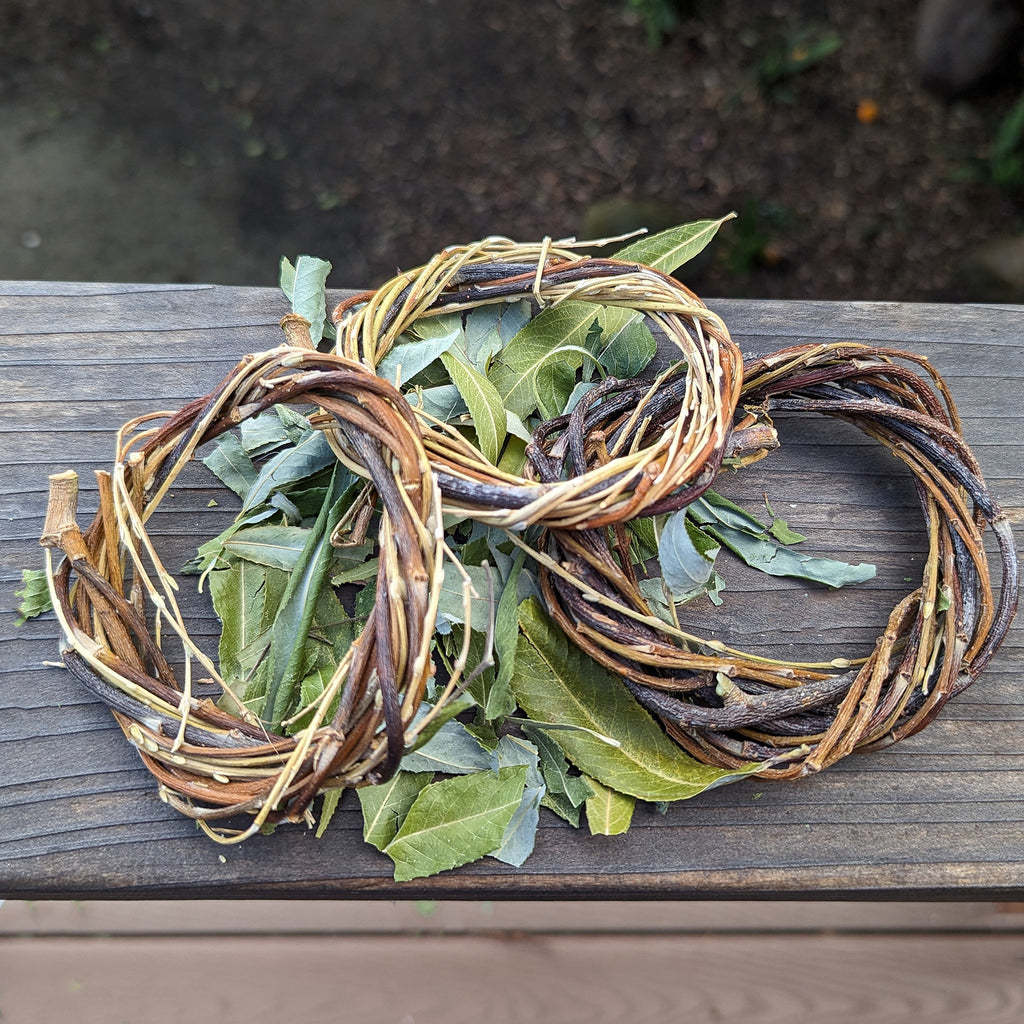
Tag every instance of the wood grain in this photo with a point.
(940, 814)
(273, 919)
(512, 979)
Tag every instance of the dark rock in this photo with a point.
(960, 47)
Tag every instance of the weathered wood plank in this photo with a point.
(269, 918)
(777, 979)
(937, 815)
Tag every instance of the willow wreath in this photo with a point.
(213, 763)
(628, 449)
(729, 708)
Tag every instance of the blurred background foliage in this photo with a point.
(867, 156)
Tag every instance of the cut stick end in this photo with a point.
(61, 508)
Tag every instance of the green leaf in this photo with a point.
(34, 594)
(713, 507)
(556, 682)
(286, 277)
(385, 806)
(481, 337)
(263, 434)
(783, 534)
(293, 620)
(687, 556)
(246, 597)
(289, 467)
(770, 557)
(484, 402)
(331, 800)
(451, 600)
(230, 464)
(276, 546)
(360, 573)
(410, 357)
(521, 832)
(443, 402)
(668, 250)
(556, 339)
(562, 807)
(456, 821)
(451, 750)
(500, 701)
(307, 292)
(555, 769)
(625, 345)
(609, 813)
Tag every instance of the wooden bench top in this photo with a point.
(939, 815)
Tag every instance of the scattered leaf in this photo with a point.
(609, 813)
(34, 594)
(556, 682)
(555, 769)
(385, 806)
(687, 556)
(276, 546)
(451, 750)
(409, 358)
(456, 821)
(230, 464)
(521, 832)
(770, 557)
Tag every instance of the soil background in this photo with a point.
(190, 141)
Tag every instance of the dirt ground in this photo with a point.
(188, 141)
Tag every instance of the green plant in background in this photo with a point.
(753, 243)
(798, 51)
(659, 18)
(1003, 164)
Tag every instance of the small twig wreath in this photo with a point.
(212, 764)
(628, 449)
(673, 441)
(728, 708)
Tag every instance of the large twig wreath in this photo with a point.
(628, 449)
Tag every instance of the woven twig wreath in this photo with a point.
(664, 454)
(629, 449)
(212, 764)
(730, 709)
